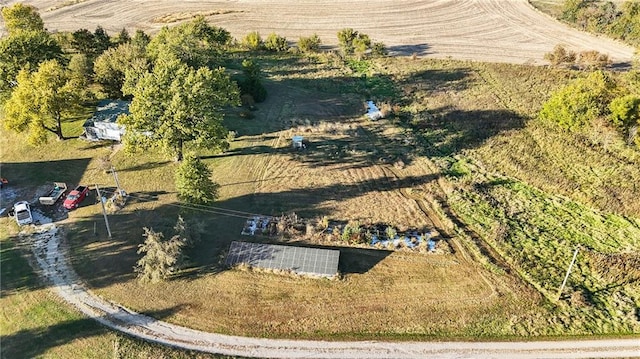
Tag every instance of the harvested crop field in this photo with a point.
(509, 31)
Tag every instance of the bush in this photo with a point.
(560, 55)
(345, 40)
(252, 84)
(625, 114)
(253, 41)
(576, 104)
(593, 60)
(309, 44)
(276, 43)
(352, 41)
(378, 49)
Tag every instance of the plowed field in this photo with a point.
(509, 31)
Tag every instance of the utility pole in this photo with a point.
(573, 260)
(104, 211)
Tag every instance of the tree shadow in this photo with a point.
(408, 50)
(17, 275)
(26, 177)
(44, 172)
(250, 150)
(36, 342)
(434, 81)
(145, 166)
(98, 144)
(360, 147)
(446, 130)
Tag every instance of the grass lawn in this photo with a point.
(36, 323)
(463, 156)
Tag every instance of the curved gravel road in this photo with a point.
(51, 257)
(509, 31)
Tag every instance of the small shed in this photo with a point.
(298, 142)
(102, 125)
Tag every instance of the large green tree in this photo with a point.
(27, 45)
(195, 43)
(20, 17)
(41, 101)
(176, 105)
(111, 67)
(91, 44)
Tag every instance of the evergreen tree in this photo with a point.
(194, 183)
(161, 257)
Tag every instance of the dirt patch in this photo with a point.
(489, 30)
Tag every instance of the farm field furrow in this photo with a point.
(485, 30)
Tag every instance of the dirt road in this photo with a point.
(50, 255)
(509, 31)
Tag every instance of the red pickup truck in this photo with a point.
(75, 197)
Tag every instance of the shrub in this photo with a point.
(576, 104)
(390, 232)
(352, 41)
(276, 43)
(593, 60)
(309, 44)
(625, 114)
(560, 55)
(345, 40)
(378, 49)
(351, 232)
(252, 41)
(252, 83)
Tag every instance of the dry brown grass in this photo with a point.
(403, 294)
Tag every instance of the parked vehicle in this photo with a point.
(22, 213)
(58, 190)
(75, 197)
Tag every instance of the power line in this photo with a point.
(201, 208)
